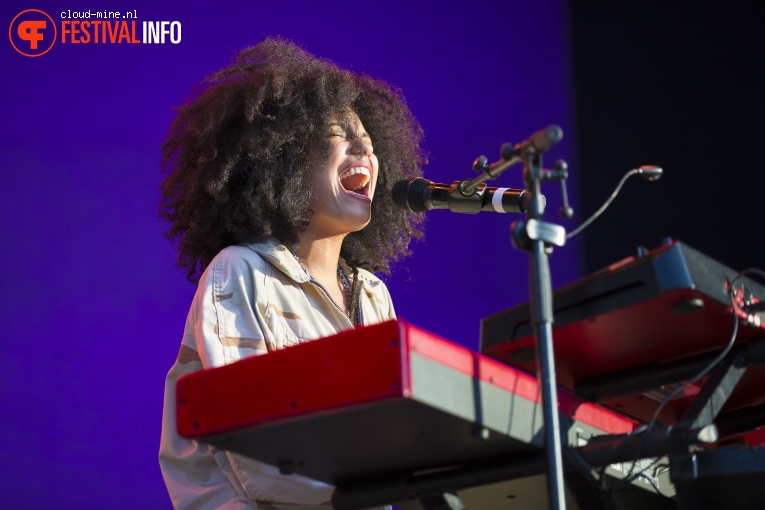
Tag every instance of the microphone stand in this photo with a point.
(537, 237)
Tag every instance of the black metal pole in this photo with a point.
(541, 321)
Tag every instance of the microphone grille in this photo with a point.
(411, 194)
(398, 194)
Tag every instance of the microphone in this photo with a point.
(649, 172)
(420, 195)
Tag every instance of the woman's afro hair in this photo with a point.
(235, 157)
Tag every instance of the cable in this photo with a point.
(649, 172)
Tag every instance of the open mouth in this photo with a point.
(356, 180)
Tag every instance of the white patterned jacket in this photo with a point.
(251, 299)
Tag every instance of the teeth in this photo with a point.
(355, 178)
(354, 171)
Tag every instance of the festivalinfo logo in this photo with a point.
(34, 32)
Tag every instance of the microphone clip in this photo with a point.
(462, 202)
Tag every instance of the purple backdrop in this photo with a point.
(92, 307)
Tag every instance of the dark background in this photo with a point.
(92, 305)
(679, 85)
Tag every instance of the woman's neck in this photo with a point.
(320, 255)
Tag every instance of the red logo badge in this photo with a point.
(32, 33)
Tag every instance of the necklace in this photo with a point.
(358, 320)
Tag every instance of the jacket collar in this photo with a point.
(281, 258)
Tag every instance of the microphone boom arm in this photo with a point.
(537, 143)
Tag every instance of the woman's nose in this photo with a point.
(361, 148)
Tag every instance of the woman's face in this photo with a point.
(343, 184)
